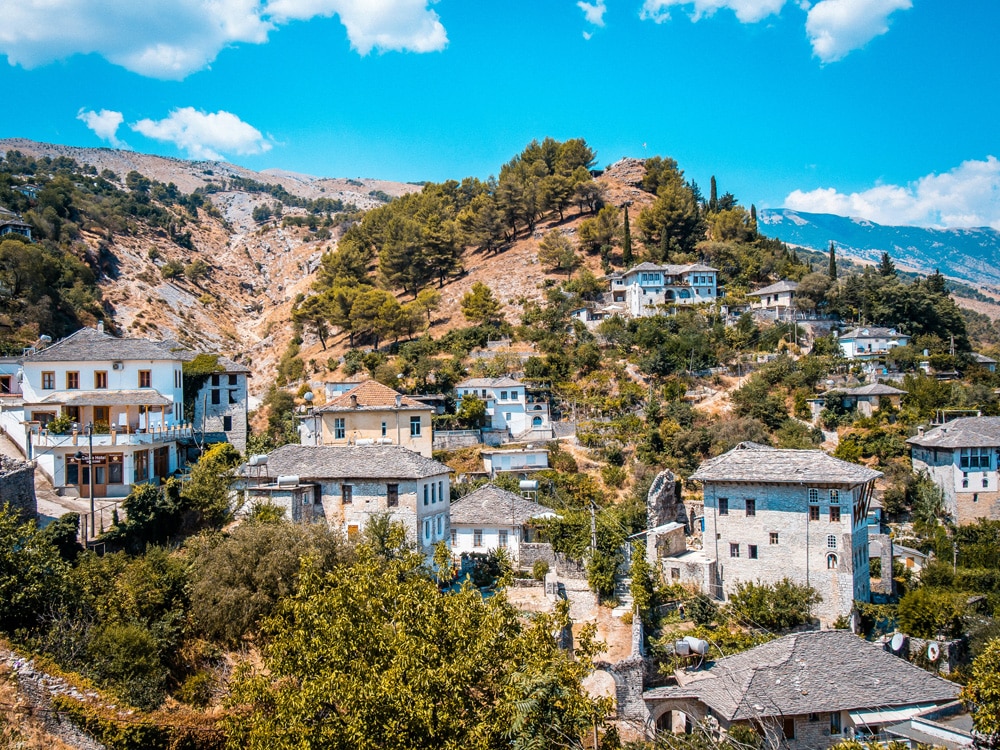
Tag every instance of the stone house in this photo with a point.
(869, 398)
(778, 296)
(491, 518)
(644, 289)
(804, 691)
(347, 485)
(961, 457)
(374, 414)
(799, 514)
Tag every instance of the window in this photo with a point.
(101, 379)
(441, 491)
(353, 530)
(234, 397)
(227, 424)
(723, 506)
(454, 536)
(503, 395)
(141, 459)
(48, 381)
(384, 429)
(974, 459)
(831, 542)
(145, 378)
(346, 494)
(965, 484)
(813, 496)
(72, 470)
(834, 497)
(216, 396)
(813, 512)
(502, 539)
(831, 562)
(834, 722)
(752, 551)
(477, 537)
(392, 495)
(414, 426)
(734, 550)
(788, 728)
(440, 524)
(234, 380)
(834, 513)
(339, 428)
(986, 482)
(751, 506)
(427, 494)
(73, 412)
(115, 472)
(215, 381)
(813, 717)
(72, 381)
(434, 494)
(427, 529)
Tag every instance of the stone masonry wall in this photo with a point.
(17, 486)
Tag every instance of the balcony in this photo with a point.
(156, 435)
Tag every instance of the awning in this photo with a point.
(885, 715)
(142, 397)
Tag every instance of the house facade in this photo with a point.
(346, 486)
(871, 342)
(805, 691)
(799, 514)
(647, 287)
(961, 458)
(869, 398)
(514, 460)
(221, 404)
(490, 518)
(373, 414)
(778, 296)
(129, 390)
(508, 405)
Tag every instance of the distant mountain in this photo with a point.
(969, 254)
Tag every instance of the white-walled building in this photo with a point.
(778, 296)
(514, 460)
(508, 405)
(647, 287)
(871, 342)
(347, 485)
(961, 458)
(491, 518)
(800, 514)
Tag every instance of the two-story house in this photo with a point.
(961, 458)
(799, 514)
(871, 342)
(346, 486)
(490, 518)
(778, 296)
(372, 413)
(646, 288)
(508, 405)
(123, 396)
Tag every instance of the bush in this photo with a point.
(171, 269)
(126, 659)
(539, 570)
(773, 607)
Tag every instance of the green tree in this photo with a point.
(479, 305)
(207, 492)
(886, 267)
(627, 242)
(832, 266)
(773, 607)
(557, 252)
(982, 696)
(32, 572)
(599, 231)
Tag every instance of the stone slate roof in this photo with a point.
(873, 389)
(873, 332)
(812, 672)
(492, 506)
(967, 432)
(760, 464)
(780, 286)
(181, 352)
(376, 462)
(983, 359)
(489, 383)
(371, 395)
(669, 269)
(91, 345)
(110, 397)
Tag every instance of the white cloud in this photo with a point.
(205, 135)
(837, 27)
(172, 38)
(747, 11)
(104, 124)
(966, 196)
(593, 12)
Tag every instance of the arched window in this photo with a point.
(536, 421)
(831, 562)
(831, 541)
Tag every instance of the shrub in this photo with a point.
(539, 570)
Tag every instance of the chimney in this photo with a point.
(920, 431)
(354, 401)
(399, 400)
(100, 326)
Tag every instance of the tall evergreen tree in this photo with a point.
(886, 267)
(713, 197)
(627, 242)
(832, 272)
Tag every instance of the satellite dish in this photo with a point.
(309, 397)
(897, 642)
(933, 651)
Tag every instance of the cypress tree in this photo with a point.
(627, 242)
(713, 197)
(832, 272)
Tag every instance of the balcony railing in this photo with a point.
(45, 439)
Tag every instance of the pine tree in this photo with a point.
(627, 242)
(832, 272)
(886, 267)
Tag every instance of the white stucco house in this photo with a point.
(778, 296)
(514, 460)
(801, 514)
(961, 458)
(644, 289)
(491, 518)
(508, 406)
(871, 342)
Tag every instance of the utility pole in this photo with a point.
(593, 526)
(90, 475)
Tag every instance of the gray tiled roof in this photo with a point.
(489, 383)
(350, 462)
(967, 432)
(110, 397)
(874, 389)
(872, 332)
(184, 354)
(90, 345)
(781, 286)
(812, 672)
(490, 505)
(750, 462)
(670, 269)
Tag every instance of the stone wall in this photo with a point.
(17, 486)
(531, 552)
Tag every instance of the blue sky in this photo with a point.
(884, 109)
